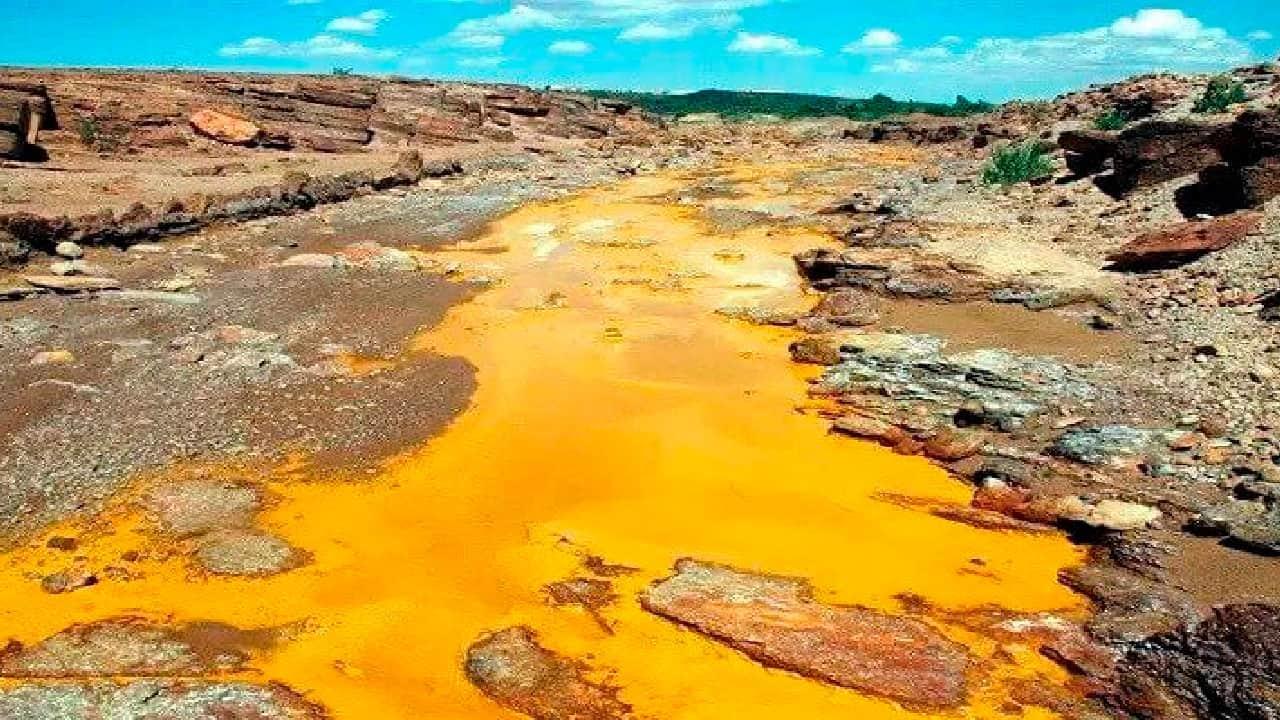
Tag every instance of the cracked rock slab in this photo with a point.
(154, 700)
(776, 622)
(245, 553)
(514, 670)
(133, 647)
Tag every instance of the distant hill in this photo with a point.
(740, 104)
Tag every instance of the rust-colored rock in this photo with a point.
(852, 308)
(1159, 151)
(511, 668)
(985, 519)
(776, 622)
(1185, 242)
(132, 647)
(1087, 151)
(225, 127)
(590, 594)
(1000, 498)
(158, 110)
(869, 428)
(816, 351)
(1226, 667)
(952, 445)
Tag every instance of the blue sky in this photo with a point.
(926, 49)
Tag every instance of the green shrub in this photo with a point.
(99, 137)
(1111, 120)
(343, 71)
(88, 131)
(1222, 93)
(1017, 163)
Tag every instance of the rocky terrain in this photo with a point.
(1094, 353)
(1163, 233)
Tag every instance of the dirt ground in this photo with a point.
(79, 182)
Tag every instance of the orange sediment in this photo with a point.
(617, 416)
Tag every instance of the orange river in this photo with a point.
(617, 415)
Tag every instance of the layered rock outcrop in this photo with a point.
(296, 191)
(128, 111)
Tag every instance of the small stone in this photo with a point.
(816, 351)
(53, 357)
(71, 284)
(850, 308)
(1113, 515)
(1214, 427)
(310, 260)
(952, 445)
(146, 248)
(1262, 372)
(1104, 322)
(68, 581)
(151, 296)
(69, 250)
(65, 544)
(245, 553)
(869, 428)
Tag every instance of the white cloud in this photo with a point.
(652, 31)
(366, 23)
(482, 61)
(480, 41)
(637, 20)
(570, 47)
(950, 40)
(1260, 36)
(319, 47)
(874, 41)
(517, 19)
(770, 44)
(302, 2)
(1148, 41)
(1157, 23)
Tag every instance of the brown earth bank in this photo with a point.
(1094, 352)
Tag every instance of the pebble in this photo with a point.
(159, 296)
(147, 248)
(53, 357)
(69, 250)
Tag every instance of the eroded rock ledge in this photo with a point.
(22, 233)
(776, 622)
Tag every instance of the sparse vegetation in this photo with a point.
(1111, 120)
(1018, 163)
(343, 71)
(1222, 93)
(96, 136)
(88, 131)
(741, 105)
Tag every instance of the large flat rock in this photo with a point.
(1186, 241)
(514, 670)
(776, 622)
